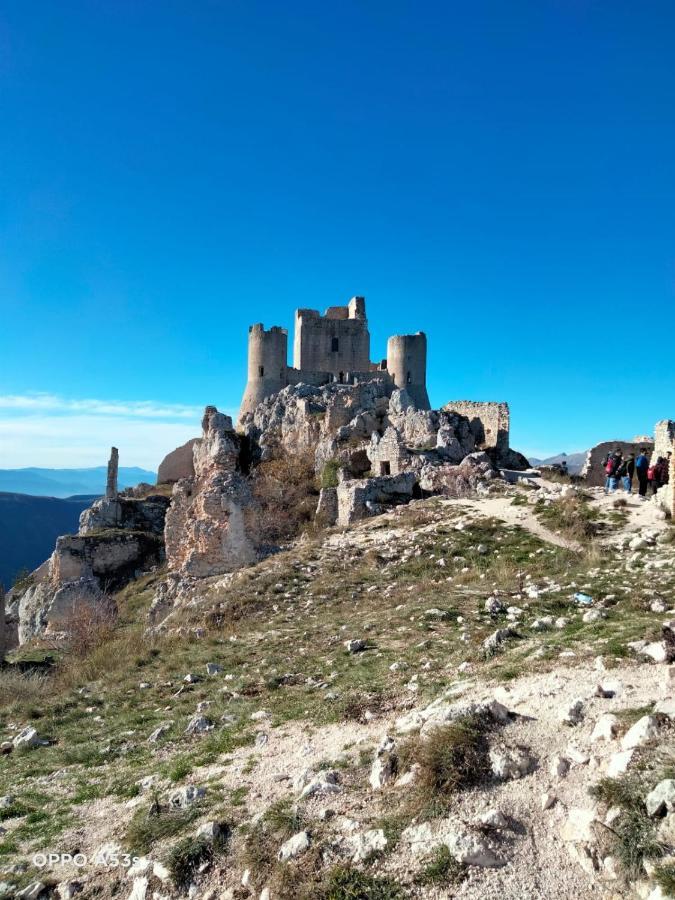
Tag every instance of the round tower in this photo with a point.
(267, 360)
(407, 365)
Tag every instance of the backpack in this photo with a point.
(610, 466)
(650, 473)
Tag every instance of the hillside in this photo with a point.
(416, 706)
(29, 527)
(67, 482)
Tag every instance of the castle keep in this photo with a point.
(332, 348)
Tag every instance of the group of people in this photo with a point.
(649, 475)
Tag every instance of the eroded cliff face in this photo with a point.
(118, 539)
(206, 532)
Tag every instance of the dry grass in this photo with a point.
(286, 492)
(451, 758)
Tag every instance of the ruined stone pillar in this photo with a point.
(111, 484)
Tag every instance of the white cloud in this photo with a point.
(145, 409)
(81, 440)
(43, 429)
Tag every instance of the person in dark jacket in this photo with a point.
(660, 474)
(641, 467)
(626, 471)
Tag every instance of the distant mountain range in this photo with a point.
(68, 482)
(575, 461)
(29, 527)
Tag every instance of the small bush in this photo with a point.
(89, 626)
(452, 757)
(442, 868)
(283, 818)
(572, 516)
(346, 883)
(665, 878)
(151, 824)
(185, 858)
(329, 474)
(286, 496)
(634, 835)
(22, 690)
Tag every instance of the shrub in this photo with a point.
(452, 757)
(89, 626)
(329, 475)
(572, 516)
(151, 824)
(346, 883)
(286, 496)
(634, 834)
(185, 858)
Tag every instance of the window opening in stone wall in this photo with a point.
(335, 345)
(261, 371)
(341, 377)
(408, 379)
(385, 468)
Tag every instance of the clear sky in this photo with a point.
(498, 174)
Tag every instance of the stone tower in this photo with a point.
(337, 342)
(267, 364)
(407, 366)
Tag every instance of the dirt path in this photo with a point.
(502, 508)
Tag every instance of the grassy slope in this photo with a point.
(289, 616)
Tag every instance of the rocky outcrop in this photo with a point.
(124, 512)
(119, 537)
(82, 571)
(206, 527)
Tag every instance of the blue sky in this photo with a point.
(499, 175)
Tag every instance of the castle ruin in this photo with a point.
(332, 348)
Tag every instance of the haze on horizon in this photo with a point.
(498, 175)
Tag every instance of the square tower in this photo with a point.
(337, 342)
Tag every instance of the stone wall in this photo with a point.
(360, 498)
(387, 454)
(489, 422)
(664, 438)
(177, 464)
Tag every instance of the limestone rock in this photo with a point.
(662, 798)
(643, 731)
(324, 782)
(579, 825)
(619, 763)
(606, 728)
(187, 796)
(364, 844)
(205, 531)
(385, 765)
(294, 846)
(511, 762)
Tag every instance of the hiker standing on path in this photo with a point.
(641, 467)
(626, 471)
(612, 464)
